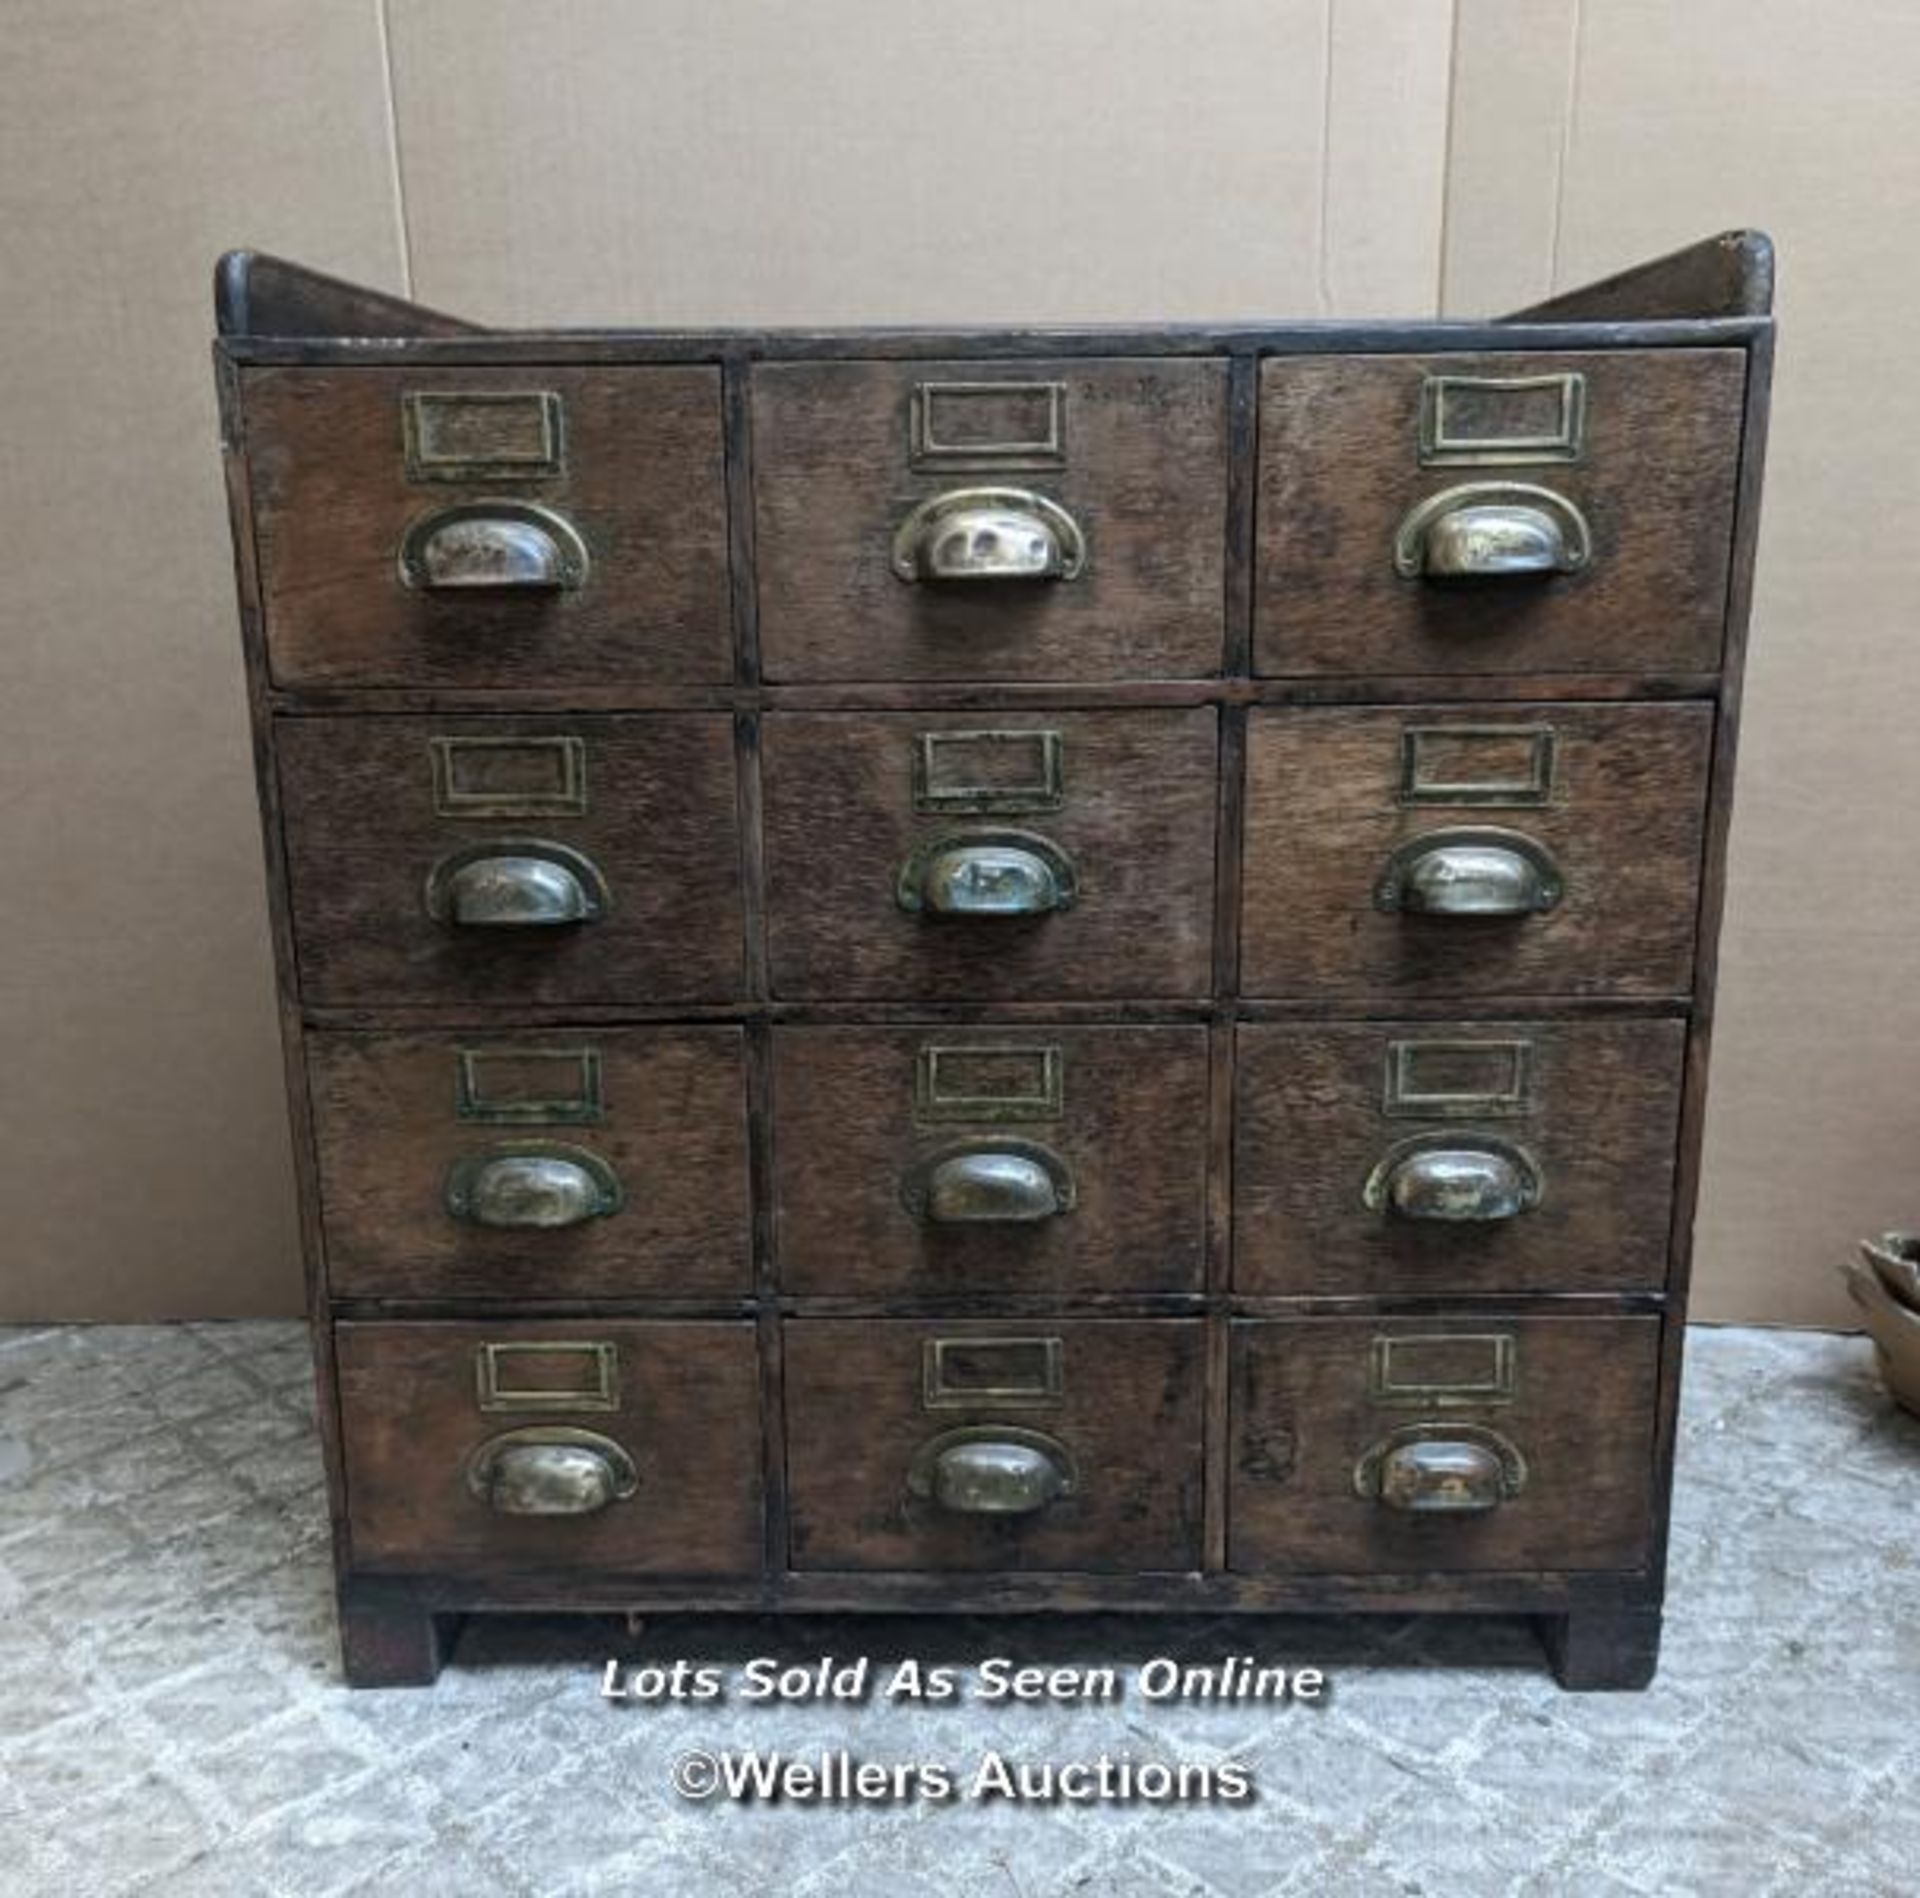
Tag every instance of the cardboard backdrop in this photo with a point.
(719, 161)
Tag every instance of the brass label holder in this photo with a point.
(482, 434)
(938, 1099)
(1034, 1374)
(495, 1367)
(1395, 1377)
(1507, 1092)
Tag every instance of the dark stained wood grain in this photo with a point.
(673, 1128)
(1137, 820)
(642, 484)
(769, 934)
(1144, 474)
(688, 1417)
(1728, 275)
(1607, 1650)
(1597, 1111)
(1131, 1418)
(239, 489)
(660, 824)
(389, 1641)
(986, 696)
(1339, 470)
(1132, 1130)
(1524, 1592)
(255, 294)
(1625, 823)
(919, 343)
(1713, 891)
(1580, 1413)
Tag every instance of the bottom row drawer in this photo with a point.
(1355, 1445)
(603, 1448)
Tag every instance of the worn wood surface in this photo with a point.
(1340, 470)
(1614, 1649)
(389, 1641)
(1625, 823)
(1144, 474)
(1130, 1418)
(672, 1127)
(255, 294)
(1596, 1107)
(1137, 818)
(1580, 1414)
(1263, 1292)
(687, 1416)
(642, 484)
(1041, 1591)
(1730, 275)
(660, 823)
(1130, 1127)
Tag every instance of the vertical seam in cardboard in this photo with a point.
(1323, 288)
(1569, 106)
(381, 10)
(1441, 251)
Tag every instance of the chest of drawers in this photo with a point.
(998, 970)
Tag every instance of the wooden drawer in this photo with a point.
(874, 480)
(1020, 1159)
(1449, 1157)
(450, 1431)
(1544, 1424)
(597, 1163)
(609, 480)
(633, 818)
(896, 1426)
(1388, 483)
(1355, 818)
(1103, 822)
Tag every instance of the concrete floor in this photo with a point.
(171, 1720)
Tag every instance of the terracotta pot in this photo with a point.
(1894, 1329)
(1895, 1258)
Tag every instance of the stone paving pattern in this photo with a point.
(172, 1722)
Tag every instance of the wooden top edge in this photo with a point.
(255, 294)
(1728, 275)
(269, 310)
(564, 348)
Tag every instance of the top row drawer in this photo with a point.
(1021, 521)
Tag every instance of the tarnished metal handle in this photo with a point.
(989, 534)
(551, 1471)
(544, 1186)
(1442, 1470)
(530, 884)
(1442, 1177)
(987, 1471)
(1492, 530)
(1483, 873)
(988, 874)
(501, 545)
(1008, 1183)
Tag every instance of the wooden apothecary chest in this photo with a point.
(1005, 969)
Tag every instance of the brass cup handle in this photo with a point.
(551, 1471)
(516, 884)
(499, 546)
(1492, 530)
(1010, 1183)
(1441, 1470)
(542, 1186)
(989, 875)
(1471, 873)
(990, 534)
(1455, 1180)
(986, 1470)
